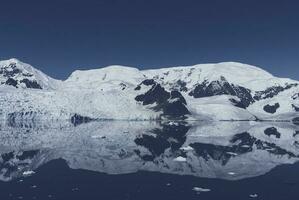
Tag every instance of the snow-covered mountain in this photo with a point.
(20, 75)
(223, 91)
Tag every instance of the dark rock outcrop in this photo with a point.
(14, 76)
(272, 91)
(12, 82)
(172, 104)
(271, 108)
(31, 84)
(221, 87)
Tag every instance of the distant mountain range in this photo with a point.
(222, 91)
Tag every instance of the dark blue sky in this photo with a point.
(59, 36)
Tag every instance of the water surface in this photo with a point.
(149, 160)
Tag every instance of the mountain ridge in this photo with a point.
(221, 91)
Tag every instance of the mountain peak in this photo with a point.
(13, 60)
(15, 73)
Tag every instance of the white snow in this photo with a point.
(232, 153)
(45, 81)
(187, 148)
(28, 173)
(253, 195)
(109, 93)
(180, 159)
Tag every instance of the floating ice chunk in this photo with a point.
(28, 173)
(180, 159)
(231, 173)
(232, 153)
(199, 189)
(173, 123)
(245, 146)
(187, 148)
(75, 189)
(96, 136)
(253, 195)
(168, 184)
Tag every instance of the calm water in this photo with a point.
(147, 160)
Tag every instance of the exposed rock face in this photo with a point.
(31, 84)
(172, 104)
(11, 81)
(271, 108)
(223, 87)
(272, 91)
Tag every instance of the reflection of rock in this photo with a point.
(169, 136)
(272, 131)
(214, 150)
(78, 119)
(296, 120)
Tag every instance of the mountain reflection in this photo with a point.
(223, 150)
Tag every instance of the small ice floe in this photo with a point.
(173, 123)
(168, 184)
(180, 159)
(231, 173)
(245, 146)
(199, 189)
(33, 186)
(75, 189)
(97, 136)
(253, 196)
(232, 153)
(28, 173)
(187, 148)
